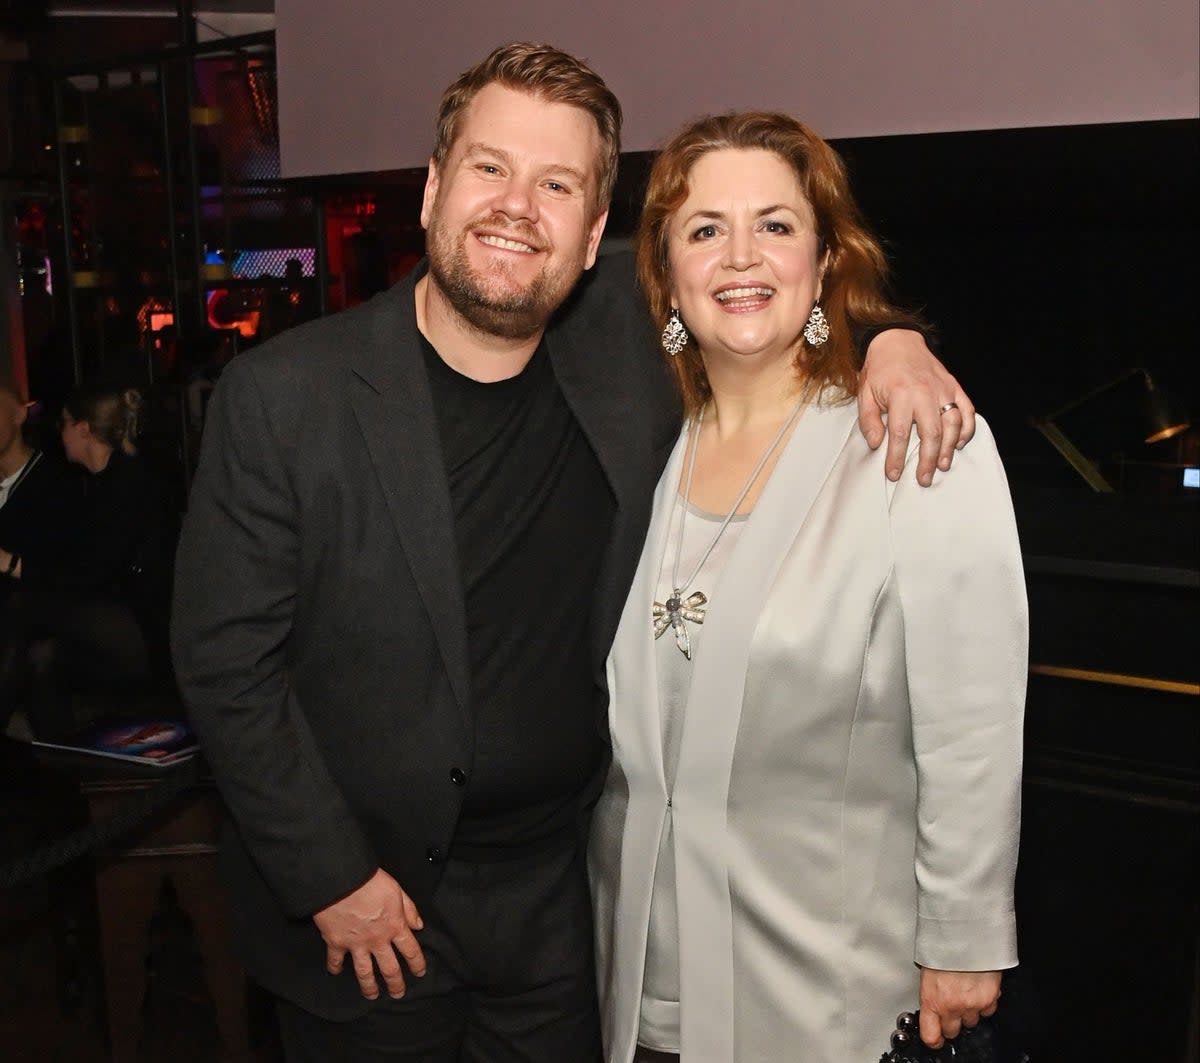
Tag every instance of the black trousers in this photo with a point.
(510, 976)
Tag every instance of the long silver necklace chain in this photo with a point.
(677, 612)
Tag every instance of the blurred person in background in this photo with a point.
(92, 610)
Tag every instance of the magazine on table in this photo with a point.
(158, 743)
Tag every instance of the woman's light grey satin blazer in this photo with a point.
(848, 794)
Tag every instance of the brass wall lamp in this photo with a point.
(1129, 408)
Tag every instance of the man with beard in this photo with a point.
(409, 540)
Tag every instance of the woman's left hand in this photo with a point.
(951, 1000)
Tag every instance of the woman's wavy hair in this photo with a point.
(112, 414)
(854, 287)
(549, 74)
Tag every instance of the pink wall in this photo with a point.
(360, 79)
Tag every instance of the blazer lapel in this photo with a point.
(394, 409)
(597, 407)
(623, 446)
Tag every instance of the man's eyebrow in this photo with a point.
(479, 147)
(568, 171)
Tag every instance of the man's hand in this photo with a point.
(951, 1000)
(903, 377)
(374, 922)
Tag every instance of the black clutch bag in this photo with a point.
(991, 1041)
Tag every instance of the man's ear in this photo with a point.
(431, 188)
(594, 233)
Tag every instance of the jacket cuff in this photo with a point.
(866, 333)
(980, 944)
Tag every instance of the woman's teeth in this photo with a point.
(730, 294)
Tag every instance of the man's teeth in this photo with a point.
(507, 245)
(744, 293)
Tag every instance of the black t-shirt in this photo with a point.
(532, 513)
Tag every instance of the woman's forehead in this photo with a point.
(753, 176)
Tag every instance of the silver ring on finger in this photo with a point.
(946, 407)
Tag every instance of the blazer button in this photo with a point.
(435, 855)
(458, 777)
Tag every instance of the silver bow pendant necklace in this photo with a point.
(677, 611)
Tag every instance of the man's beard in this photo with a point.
(514, 314)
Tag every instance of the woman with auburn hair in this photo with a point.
(812, 815)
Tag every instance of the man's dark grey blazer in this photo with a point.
(318, 630)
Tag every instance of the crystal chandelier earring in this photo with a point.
(675, 335)
(816, 330)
